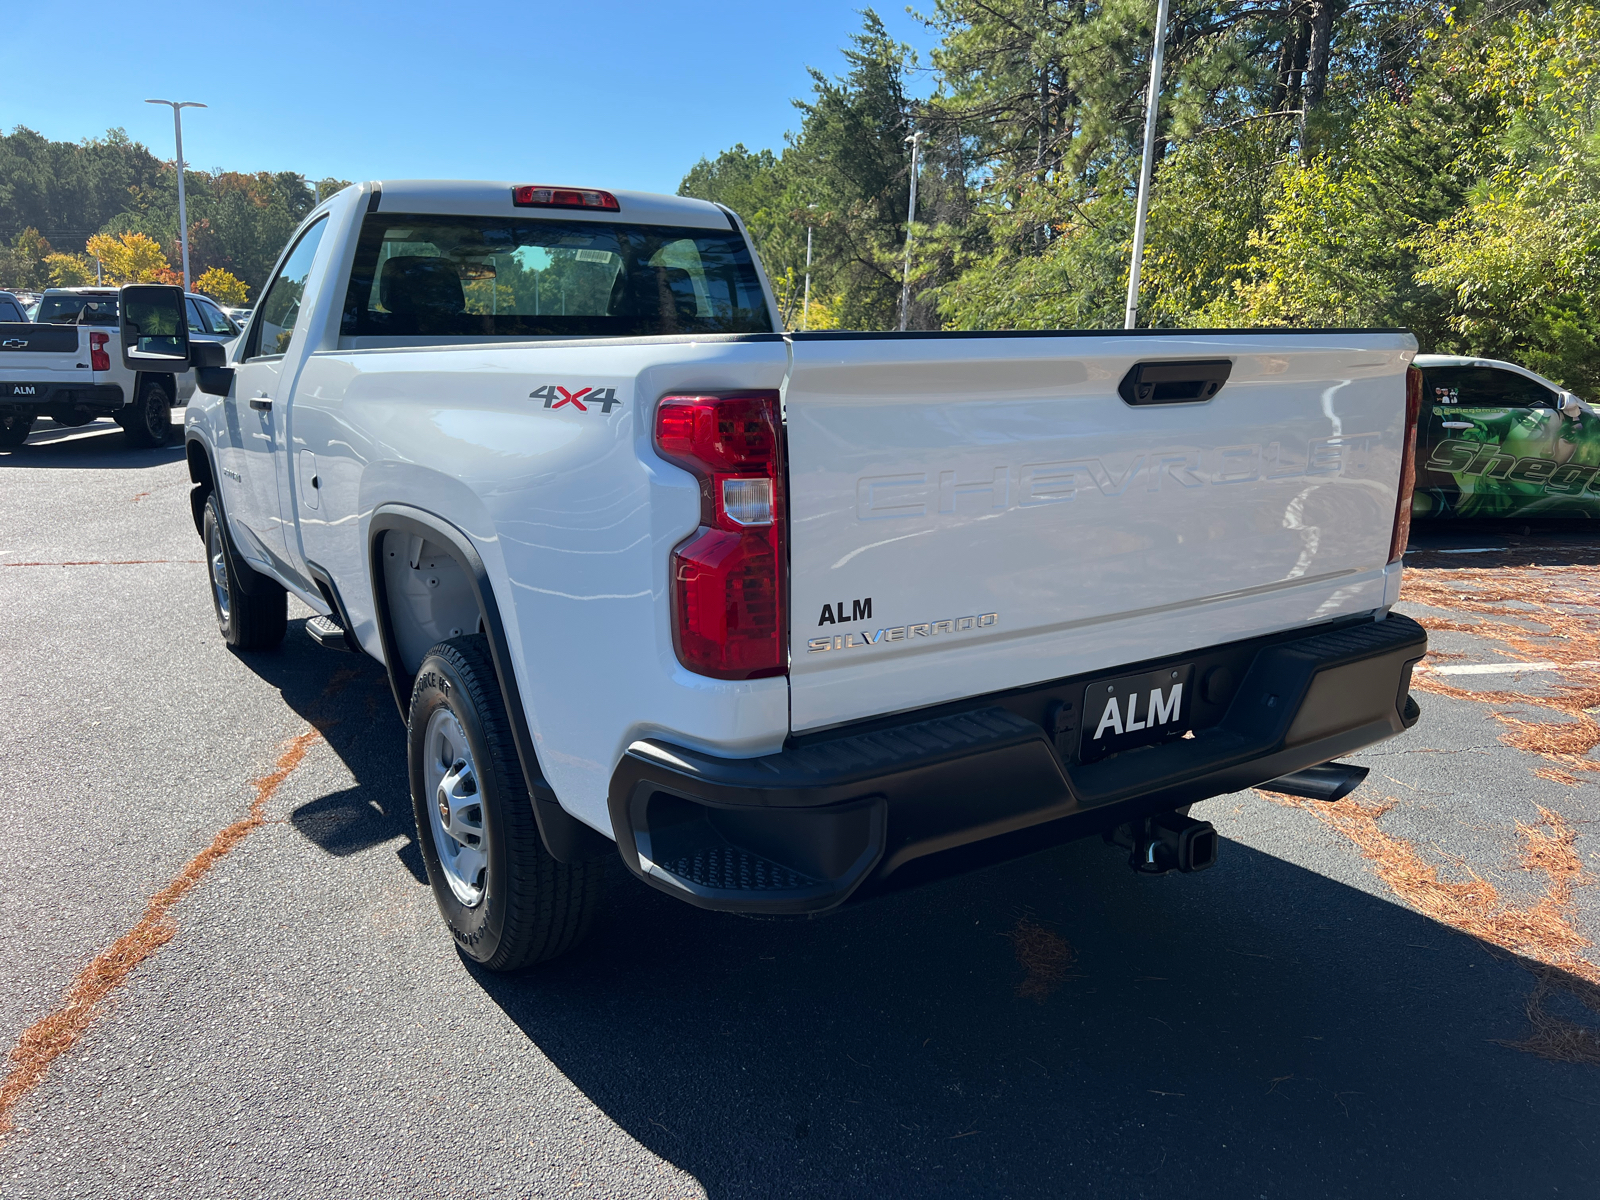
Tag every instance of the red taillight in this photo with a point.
(1408, 467)
(533, 195)
(729, 577)
(99, 360)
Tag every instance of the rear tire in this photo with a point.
(14, 429)
(507, 903)
(148, 421)
(248, 620)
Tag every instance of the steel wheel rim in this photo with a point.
(455, 807)
(220, 595)
(156, 414)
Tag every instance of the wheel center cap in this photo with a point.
(444, 807)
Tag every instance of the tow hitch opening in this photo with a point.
(1167, 842)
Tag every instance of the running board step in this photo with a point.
(328, 633)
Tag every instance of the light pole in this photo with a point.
(1131, 317)
(183, 213)
(911, 215)
(805, 312)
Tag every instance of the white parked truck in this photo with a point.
(67, 365)
(784, 619)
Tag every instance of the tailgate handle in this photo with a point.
(1192, 381)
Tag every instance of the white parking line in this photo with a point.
(1506, 668)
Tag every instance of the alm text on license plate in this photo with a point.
(1137, 710)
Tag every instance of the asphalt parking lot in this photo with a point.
(1394, 996)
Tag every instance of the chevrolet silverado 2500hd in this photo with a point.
(68, 366)
(789, 619)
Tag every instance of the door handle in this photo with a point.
(261, 404)
(1193, 381)
(1456, 424)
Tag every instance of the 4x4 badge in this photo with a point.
(555, 396)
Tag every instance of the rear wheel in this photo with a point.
(148, 421)
(252, 619)
(14, 429)
(507, 903)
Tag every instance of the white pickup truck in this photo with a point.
(787, 620)
(67, 365)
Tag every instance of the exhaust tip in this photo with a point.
(1328, 782)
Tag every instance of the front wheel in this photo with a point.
(507, 903)
(252, 610)
(14, 429)
(148, 421)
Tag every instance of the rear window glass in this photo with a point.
(10, 311)
(77, 310)
(519, 276)
(1482, 386)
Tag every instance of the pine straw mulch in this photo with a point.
(1539, 613)
(1543, 935)
(1044, 956)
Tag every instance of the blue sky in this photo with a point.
(609, 93)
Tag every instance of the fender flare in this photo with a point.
(197, 505)
(565, 837)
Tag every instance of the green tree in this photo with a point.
(22, 263)
(222, 287)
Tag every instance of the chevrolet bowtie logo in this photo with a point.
(15, 344)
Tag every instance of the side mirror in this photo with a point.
(212, 374)
(1571, 406)
(154, 327)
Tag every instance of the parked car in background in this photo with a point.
(1498, 440)
(239, 316)
(76, 375)
(12, 307)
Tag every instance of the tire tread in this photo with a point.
(550, 905)
(259, 617)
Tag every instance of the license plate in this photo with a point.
(1138, 710)
(24, 390)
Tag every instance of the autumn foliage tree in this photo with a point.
(222, 287)
(131, 258)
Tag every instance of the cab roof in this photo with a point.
(489, 198)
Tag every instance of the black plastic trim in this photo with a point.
(565, 837)
(197, 503)
(335, 602)
(375, 198)
(1174, 381)
(202, 486)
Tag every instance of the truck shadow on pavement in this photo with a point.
(363, 729)
(97, 446)
(1051, 1026)
(1258, 1030)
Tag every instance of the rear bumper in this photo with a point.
(43, 396)
(883, 804)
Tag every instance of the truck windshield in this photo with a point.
(418, 275)
(69, 309)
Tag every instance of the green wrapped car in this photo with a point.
(1496, 440)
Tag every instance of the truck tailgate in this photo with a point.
(975, 513)
(31, 355)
